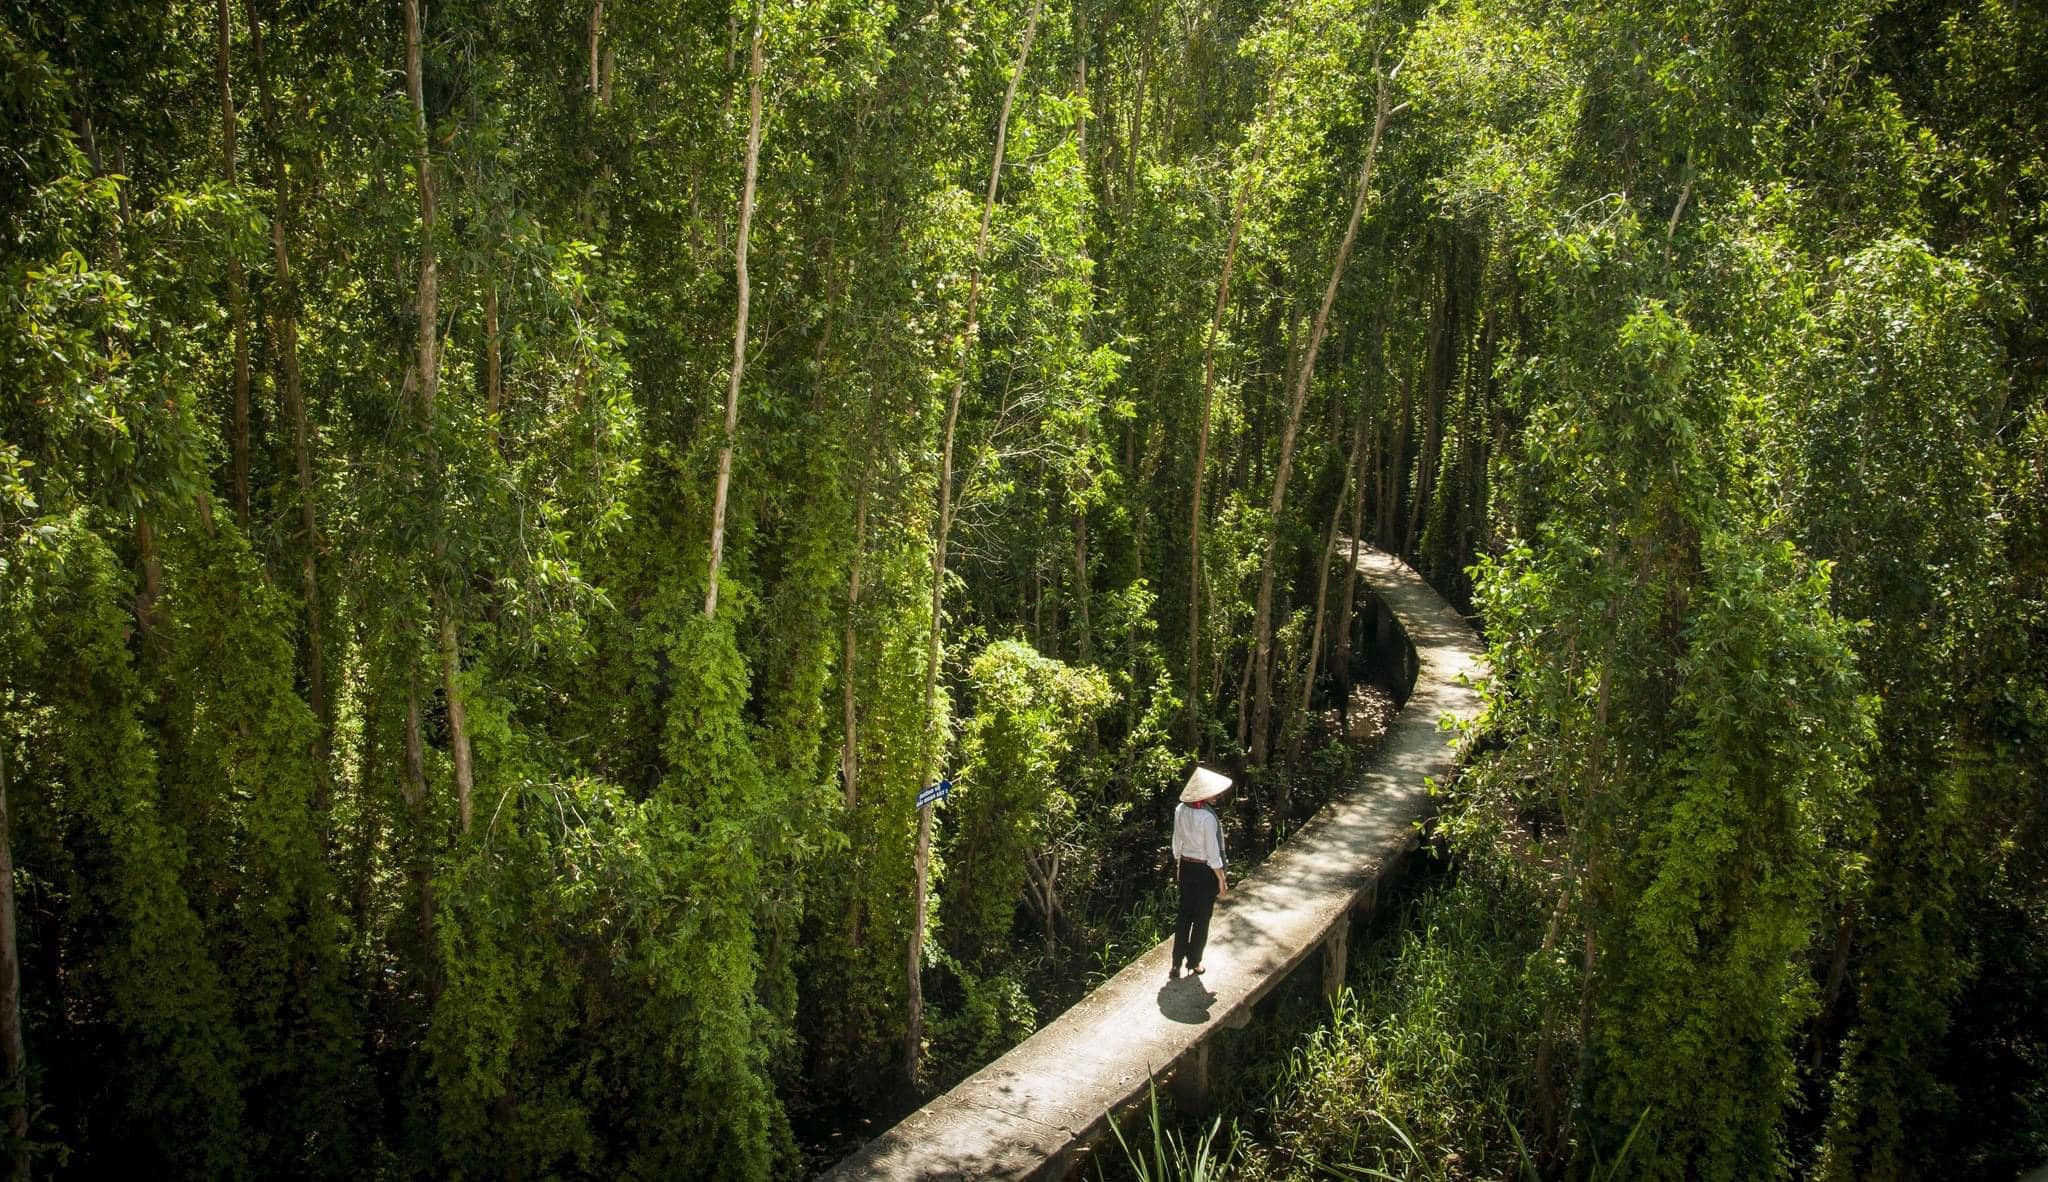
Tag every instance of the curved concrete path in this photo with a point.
(1033, 1111)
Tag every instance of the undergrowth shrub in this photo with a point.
(1420, 1065)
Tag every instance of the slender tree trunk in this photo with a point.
(1080, 506)
(414, 786)
(1134, 145)
(1243, 197)
(458, 714)
(1081, 582)
(849, 747)
(1838, 970)
(1441, 373)
(429, 290)
(1397, 468)
(237, 282)
(145, 532)
(1042, 875)
(595, 39)
(1347, 601)
(913, 1036)
(13, 1051)
(152, 574)
(739, 320)
(285, 331)
(1263, 614)
(1580, 863)
(429, 364)
(1239, 203)
(494, 359)
(1315, 642)
(1144, 460)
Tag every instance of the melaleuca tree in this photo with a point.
(106, 444)
(1695, 800)
(1012, 831)
(240, 763)
(1893, 477)
(111, 860)
(1043, 417)
(865, 384)
(275, 556)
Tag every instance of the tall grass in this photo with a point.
(1419, 1072)
(1163, 1154)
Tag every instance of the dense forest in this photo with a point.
(504, 505)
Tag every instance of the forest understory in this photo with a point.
(505, 506)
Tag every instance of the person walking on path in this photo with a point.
(1197, 866)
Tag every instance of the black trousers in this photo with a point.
(1191, 922)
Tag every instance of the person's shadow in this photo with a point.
(1186, 1000)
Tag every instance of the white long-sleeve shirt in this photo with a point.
(1197, 834)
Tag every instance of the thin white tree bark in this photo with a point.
(237, 282)
(1315, 643)
(429, 364)
(913, 1035)
(739, 320)
(1202, 463)
(1283, 792)
(596, 37)
(1263, 614)
(1237, 212)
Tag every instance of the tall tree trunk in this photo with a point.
(1315, 642)
(1237, 211)
(1086, 629)
(285, 329)
(1134, 144)
(13, 1051)
(152, 573)
(1365, 473)
(1080, 506)
(429, 364)
(1397, 468)
(494, 359)
(1347, 601)
(458, 714)
(145, 532)
(849, 743)
(913, 1035)
(739, 319)
(413, 785)
(1194, 715)
(595, 39)
(1262, 618)
(237, 282)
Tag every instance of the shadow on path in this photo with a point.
(1186, 1001)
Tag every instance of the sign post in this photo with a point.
(934, 792)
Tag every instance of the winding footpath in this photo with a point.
(1036, 1110)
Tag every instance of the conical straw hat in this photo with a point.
(1204, 784)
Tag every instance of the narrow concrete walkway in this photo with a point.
(1033, 1111)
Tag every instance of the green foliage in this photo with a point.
(1696, 346)
(105, 843)
(1420, 1071)
(1017, 814)
(1167, 1155)
(239, 767)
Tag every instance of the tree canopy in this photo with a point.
(503, 506)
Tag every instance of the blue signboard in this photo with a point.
(932, 792)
